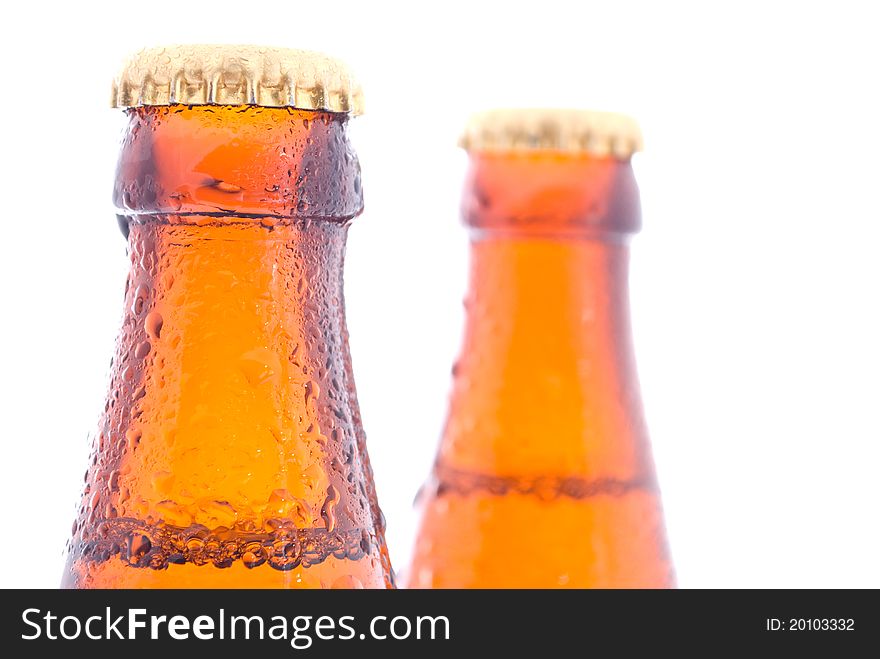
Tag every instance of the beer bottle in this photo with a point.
(544, 475)
(230, 451)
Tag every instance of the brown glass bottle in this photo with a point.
(230, 452)
(544, 476)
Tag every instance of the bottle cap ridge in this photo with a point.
(237, 75)
(600, 134)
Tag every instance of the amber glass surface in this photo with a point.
(230, 452)
(544, 476)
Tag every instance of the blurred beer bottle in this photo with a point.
(230, 452)
(544, 477)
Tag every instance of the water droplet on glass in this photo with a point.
(328, 510)
(225, 186)
(254, 555)
(133, 438)
(312, 390)
(285, 555)
(195, 545)
(153, 324)
(138, 545)
(219, 513)
(140, 299)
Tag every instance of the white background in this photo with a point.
(755, 281)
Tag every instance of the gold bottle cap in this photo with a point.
(573, 131)
(237, 75)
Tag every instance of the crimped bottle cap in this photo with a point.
(237, 75)
(545, 129)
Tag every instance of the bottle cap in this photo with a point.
(237, 75)
(603, 134)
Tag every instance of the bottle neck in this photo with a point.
(236, 220)
(234, 339)
(546, 382)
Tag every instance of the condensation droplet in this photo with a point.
(284, 505)
(153, 324)
(133, 438)
(195, 545)
(140, 299)
(225, 186)
(285, 555)
(254, 555)
(138, 546)
(328, 510)
(218, 513)
(312, 390)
